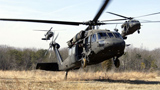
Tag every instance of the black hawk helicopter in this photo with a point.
(48, 35)
(89, 46)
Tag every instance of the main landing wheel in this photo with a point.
(84, 63)
(117, 63)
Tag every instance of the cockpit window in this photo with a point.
(110, 35)
(102, 35)
(93, 38)
(117, 35)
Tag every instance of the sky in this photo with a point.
(21, 34)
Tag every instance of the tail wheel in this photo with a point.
(117, 63)
(84, 63)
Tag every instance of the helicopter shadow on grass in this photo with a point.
(128, 81)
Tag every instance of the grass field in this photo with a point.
(44, 80)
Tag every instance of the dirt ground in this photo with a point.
(41, 80)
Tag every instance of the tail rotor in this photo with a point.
(52, 44)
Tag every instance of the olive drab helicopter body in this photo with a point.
(89, 46)
(48, 35)
(129, 27)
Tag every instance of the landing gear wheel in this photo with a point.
(84, 63)
(117, 63)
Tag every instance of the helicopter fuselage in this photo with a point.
(129, 27)
(97, 46)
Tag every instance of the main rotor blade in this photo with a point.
(40, 30)
(120, 15)
(95, 19)
(47, 30)
(47, 50)
(43, 21)
(56, 38)
(113, 20)
(140, 22)
(51, 28)
(148, 15)
(150, 22)
(114, 23)
(101, 10)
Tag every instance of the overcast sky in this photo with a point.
(21, 34)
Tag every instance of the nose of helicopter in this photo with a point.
(112, 48)
(106, 50)
(117, 46)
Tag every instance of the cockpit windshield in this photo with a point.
(117, 35)
(110, 35)
(102, 35)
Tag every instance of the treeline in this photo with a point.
(12, 58)
(140, 59)
(19, 59)
(26, 59)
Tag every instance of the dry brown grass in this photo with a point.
(44, 80)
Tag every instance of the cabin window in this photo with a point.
(87, 42)
(73, 50)
(93, 38)
(89, 39)
(102, 35)
(110, 35)
(117, 35)
(70, 52)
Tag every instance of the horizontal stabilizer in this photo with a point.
(48, 66)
